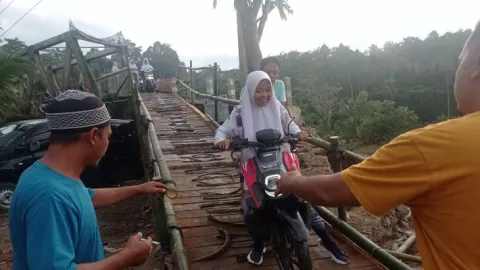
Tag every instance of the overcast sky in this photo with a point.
(198, 32)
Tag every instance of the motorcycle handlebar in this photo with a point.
(239, 144)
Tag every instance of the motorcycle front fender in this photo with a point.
(294, 226)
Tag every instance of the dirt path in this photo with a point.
(117, 224)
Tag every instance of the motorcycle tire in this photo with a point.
(302, 253)
(280, 250)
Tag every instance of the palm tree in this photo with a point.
(12, 73)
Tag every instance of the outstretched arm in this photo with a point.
(103, 197)
(396, 174)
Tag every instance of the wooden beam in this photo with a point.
(90, 57)
(51, 75)
(43, 73)
(87, 75)
(44, 44)
(108, 75)
(83, 36)
(67, 63)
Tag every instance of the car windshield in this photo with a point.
(8, 133)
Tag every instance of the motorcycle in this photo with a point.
(147, 81)
(150, 81)
(285, 216)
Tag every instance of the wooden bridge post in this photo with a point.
(215, 88)
(67, 65)
(288, 90)
(231, 92)
(335, 159)
(35, 55)
(190, 95)
(173, 85)
(83, 65)
(208, 102)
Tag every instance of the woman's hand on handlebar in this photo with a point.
(224, 145)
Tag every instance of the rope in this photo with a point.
(227, 244)
(220, 169)
(205, 157)
(6, 6)
(207, 176)
(6, 31)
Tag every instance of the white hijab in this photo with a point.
(255, 118)
(133, 66)
(115, 67)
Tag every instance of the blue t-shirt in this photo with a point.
(52, 222)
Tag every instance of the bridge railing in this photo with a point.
(167, 230)
(339, 159)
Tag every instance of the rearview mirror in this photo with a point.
(33, 146)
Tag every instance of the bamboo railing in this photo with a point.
(167, 230)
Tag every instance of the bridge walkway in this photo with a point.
(207, 207)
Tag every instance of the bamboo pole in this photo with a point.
(406, 257)
(407, 244)
(363, 242)
(176, 244)
(335, 160)
(221, 99)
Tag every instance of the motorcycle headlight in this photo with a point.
(271, 181)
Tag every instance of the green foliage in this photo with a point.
(12, 73)
(163, 58)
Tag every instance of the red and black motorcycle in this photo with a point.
(284, 216)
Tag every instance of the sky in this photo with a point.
(205, 35)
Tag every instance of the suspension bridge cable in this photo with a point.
(6, 31)
(6, 6)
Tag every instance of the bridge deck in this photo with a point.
(202, 175)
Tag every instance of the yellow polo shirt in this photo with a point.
(436, 172)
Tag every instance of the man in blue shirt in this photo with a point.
(52, 219)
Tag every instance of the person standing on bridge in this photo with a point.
(259, 105)
(434, 170)
(52, 221)
(271, 66)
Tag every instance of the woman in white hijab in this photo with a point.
(259, 109)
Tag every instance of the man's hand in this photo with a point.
(137, 252)
(288, 181)
(152, 187)
(224, 144)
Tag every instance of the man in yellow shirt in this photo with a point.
(434, 170)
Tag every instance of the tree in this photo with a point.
(250, 26)
(12, 72)
(163, 58)
(12, 45)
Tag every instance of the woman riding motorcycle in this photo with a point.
(259, 109)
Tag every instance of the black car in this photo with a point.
(24, 142)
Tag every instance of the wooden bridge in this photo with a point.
(207, 205)
(201, 227)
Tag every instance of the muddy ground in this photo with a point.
(117, 224)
